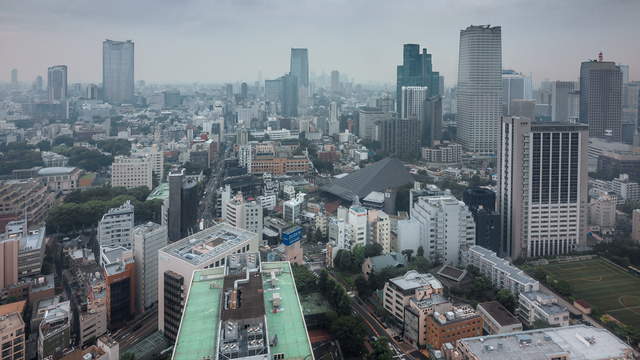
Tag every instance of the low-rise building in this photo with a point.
(177, 262)
(54, 333)
(374, 264)
(61, 179)
(450, 153)
(497, 319)
(562, 343)
(24, 198)
(460, 322)
(297, 164)
(132, 172)
(602, 211)
(538, 306)
(245, 310)
(51, 159)
(499, 271)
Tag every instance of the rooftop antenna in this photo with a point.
(600, 56)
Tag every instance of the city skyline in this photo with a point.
(201, 45)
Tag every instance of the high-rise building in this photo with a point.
(479, 89)
(244, 91)
(132, 172)
(416, 70)
(515, 86)
(24, 198)
(367, 119)
(12, 331)
(54, 332)
(542, 187)
(601, 99)
(114, 229)
(407, 138)
(334, 118)
(14, 77)
(635, 226)
(117, 71)
(243, 213)
(482, 204)
(119, 270)
(38, 83)
(176, 264)
(147, 240)
(335, 81)
(412, 101)
(432, 121)
(560, 100)
(446, 227)
(9, 247)
(57, 83)
(299, 69)
(290, 95)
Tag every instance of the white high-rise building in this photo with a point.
(412, 102)
(117, 71)
(147, 240)
(380, 229)
(115, 227)
(132, 172)
(334, 122)
(243, 214)
(542, 187)
(479, 92)
(561, 99)
(446, 227)
(338, 234)
(357, 220)
(292, 208)
(157, 160)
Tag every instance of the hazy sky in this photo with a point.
(231, 40)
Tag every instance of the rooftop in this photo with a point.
(207, 244)
(413, 280)
(579, 342)
(160, 192)
(205, 320)
(499, 313)
(503, 265)
(547, 302)
(51, 171)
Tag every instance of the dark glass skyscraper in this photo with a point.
(601, 99)
(300, 66)
(416, 70)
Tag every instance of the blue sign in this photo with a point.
(291, 235)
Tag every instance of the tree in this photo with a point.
(420, 251)
(372, 249)
(351, 333)
(129, 356)
(343, 260)
(363, 287)
(407, 253)
(63, 140)
(381, 350)
(358, 257)
(305, 280)
(506, 298)
(115, 146)
(44, 145)
(420, 264)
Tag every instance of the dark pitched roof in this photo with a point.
(379, 176)
(499, 313)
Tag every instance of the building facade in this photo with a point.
(479, 89)
(114, 229)
(132, 172)
(147, 240)
(117, 71)
(601, 99)
(57, 83)
(542, 187)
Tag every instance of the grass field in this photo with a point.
(607, 287)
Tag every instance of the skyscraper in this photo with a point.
(57, 83)
(560, 100)
(416, 70)
(335, 81)
(37, 85)
(244, 91)
(117, 71)
(601, 98)
(14, 77)
(515, 86)
(290, 95)
(432, 123)
(479, 90)
(542, 187)
(412, 101)
(300, 66)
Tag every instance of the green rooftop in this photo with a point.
(198, 334)
(293, 340)
(160, 192)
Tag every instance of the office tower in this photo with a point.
(515, 86)
(243, 213)
(335, 81)
(177, 261)
(92, 92)
(147, 240)
(38, 84)
(601, 98)
(247, 310)
(542, 187)
(446, 227)
(114, 229)
(625, 73)
(523, 108)
(132, 172)
(407, 138)
(412, 102)
(334, 118)
(368, 117)
(300, 66)
(482, 204)
(244, 91)
(441, 86)
(479, 89)
(416, 70)
(119, 270)
(560, 98)
(57, 83)
(14, 77)
(175, 204)
(273, 90)
(432, 121)
(290, 95)
(117, 71)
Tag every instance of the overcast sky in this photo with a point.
(231, 40)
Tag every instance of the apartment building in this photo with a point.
(12, 330)
(461, 322)
(132, 172)
(114, 229)
(147, 240)
(20, 198)
(538, 306)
